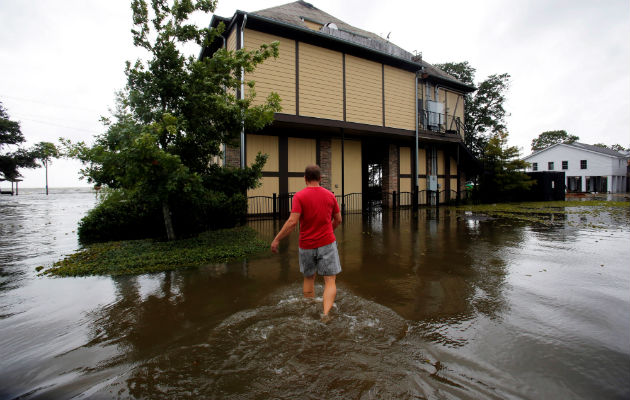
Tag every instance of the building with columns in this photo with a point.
(587, 168)
(371, 114)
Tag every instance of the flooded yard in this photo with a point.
(443, 304)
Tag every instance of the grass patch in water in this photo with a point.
(553, 212)
(145, 256)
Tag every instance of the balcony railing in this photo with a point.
(440, 123)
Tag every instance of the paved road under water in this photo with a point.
(443, 305)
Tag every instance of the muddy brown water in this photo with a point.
(440, 305)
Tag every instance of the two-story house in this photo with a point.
(587, 168)
(371, 114)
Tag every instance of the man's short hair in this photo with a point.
(312, 173)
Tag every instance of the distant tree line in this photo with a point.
(13, 156)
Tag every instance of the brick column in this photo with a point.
(325, 156)
(233, 156)
(390, 175)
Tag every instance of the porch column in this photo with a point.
(609, 183)
(325, 157)
(390, 175)
(583, 183)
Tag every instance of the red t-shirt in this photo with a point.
(316, 206)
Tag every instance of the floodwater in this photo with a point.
(443, 305)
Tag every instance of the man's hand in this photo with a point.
(288, 227)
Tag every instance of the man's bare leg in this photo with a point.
(330, 291)
(309, 286)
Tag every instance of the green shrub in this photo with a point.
(118, 217)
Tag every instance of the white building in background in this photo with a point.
(587, 168)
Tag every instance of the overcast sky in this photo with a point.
(62, 61)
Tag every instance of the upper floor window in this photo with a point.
(583, 164)
(535, 166)
(565, 165)
(550, 165)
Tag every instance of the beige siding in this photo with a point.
(454, 184)
(405, 160)
(364, 91)
(266, 145)
(335, 166)
(440, 162)
(231, 40)
(454, 109)
(268, 188)
(302, 152)
(352, 168)
(422, 161)
(296, 184)
(453, 166)
(273, 75)
(422, 184)
(321, 82)
(399, 98)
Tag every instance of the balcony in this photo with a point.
(433, 118)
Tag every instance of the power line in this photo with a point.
(47, 104)
(60, 126)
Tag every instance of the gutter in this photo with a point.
(243, 93)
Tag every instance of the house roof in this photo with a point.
(295, 14)
(583, 146)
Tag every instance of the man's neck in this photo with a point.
(312, 184)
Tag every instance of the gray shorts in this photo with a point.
(323, 260)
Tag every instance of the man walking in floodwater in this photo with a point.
(318, 213)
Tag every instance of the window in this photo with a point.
(565, 165)
(582, 164)
(550, 165)
(535, 166)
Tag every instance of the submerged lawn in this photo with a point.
(575, 213)
(143, 256)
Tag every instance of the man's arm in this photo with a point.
(288, 227)
(336, 220)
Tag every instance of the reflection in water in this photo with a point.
(434, 305)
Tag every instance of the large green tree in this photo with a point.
(176, 111)
(503, 179)
(484, 111)
(549, 138)
(13, 157)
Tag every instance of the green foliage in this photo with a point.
(484, 112)
(502, 179)
(549, 138)
(46, 151)
(219, 202)
(145, 256)
(119, 216)
(11, 135)
(10, 132)
(171, 120)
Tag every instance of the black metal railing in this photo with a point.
(440, 123)
(279, 206)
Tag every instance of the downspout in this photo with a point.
(243, 94)
(415, 151)
(224, 161)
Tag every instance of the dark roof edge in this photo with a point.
(411, 64)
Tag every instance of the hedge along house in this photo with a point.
(353, 103)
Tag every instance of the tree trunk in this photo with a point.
(168, 223)
(46, 165)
